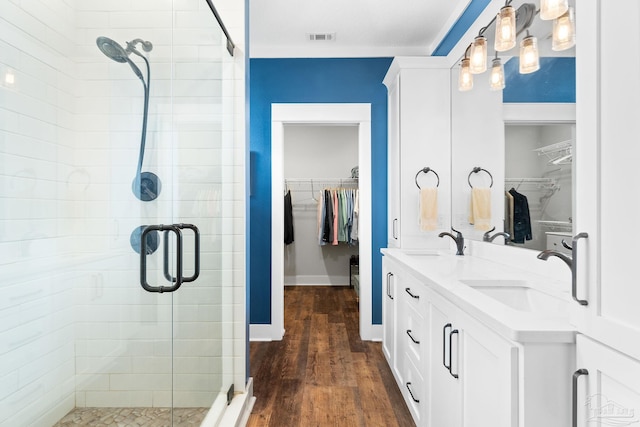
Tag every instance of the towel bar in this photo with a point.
(427, 170)
(476, 170)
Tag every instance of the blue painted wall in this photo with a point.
(468, 17)
(311, 81)
(555, 81)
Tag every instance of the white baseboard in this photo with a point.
(310, 280)
(265, 332)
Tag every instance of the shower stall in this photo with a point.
(122, 213)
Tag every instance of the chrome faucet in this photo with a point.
(486, 237)
(457, 238)
(544, 255)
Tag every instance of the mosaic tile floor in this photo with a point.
(132, 417)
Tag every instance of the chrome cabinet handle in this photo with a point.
(444, 347)
(389, 275)
(411, 393)
(143, 258)
(408, 290)
(577, 374)
(574, 268)
(455, 331)
(395, 228)
(411, 336)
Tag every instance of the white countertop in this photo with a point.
(443, 273)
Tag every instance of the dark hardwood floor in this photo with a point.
(322, 374)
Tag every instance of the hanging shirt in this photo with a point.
(288, 219)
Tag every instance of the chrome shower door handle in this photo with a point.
(178, 280)
(196, 273)
(574, 268)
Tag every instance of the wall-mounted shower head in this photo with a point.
(147, 46)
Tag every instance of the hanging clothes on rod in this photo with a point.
(520, 221)
(288, 218)
(338, 216)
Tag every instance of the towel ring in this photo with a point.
(476, 170)
(427, 170)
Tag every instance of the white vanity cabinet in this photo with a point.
(455, 370)
(418, 137)
(474, 372)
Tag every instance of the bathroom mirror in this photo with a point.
(501, 135)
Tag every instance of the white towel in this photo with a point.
(480, 209)
(428, 218)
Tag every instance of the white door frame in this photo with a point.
(314, 114)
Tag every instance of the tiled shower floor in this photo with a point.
(134, 417)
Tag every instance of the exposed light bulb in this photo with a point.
(505, 29)
(564, 36)
(497, 75)
(465, 79)
(529, 56)
(551, 9)
(478, 55)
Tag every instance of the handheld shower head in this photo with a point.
(112, 49)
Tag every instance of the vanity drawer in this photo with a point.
(415, 334)
(414, 392)
(413, 293)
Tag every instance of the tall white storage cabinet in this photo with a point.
(419, 129)
(608, 350)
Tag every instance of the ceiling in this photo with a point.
(369, 28)
(359, 28)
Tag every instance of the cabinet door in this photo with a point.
(607, 159)
(609, 395)
(389, 280)
(393, 166)
(445, 407)
(489, 373)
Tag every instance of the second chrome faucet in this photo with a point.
(457, 238)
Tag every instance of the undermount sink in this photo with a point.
(518, 295)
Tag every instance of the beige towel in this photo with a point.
(428, 209)
(480, 210)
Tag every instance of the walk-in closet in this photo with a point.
(321, 205)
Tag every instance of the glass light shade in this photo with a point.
(564, 35)
(505, 29)
(478, 55)
(497, 75)
(529, 56)
(465, 79)
(551, 9)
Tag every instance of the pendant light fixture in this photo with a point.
(497, 74)
(529, 56)
(505, 29)
(564, 36)
(551, 9)
(465, 79)
(478, 56)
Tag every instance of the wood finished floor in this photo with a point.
(321, 373)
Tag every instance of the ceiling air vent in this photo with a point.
(321, 37)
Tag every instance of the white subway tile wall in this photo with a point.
(76, 328)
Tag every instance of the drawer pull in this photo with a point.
(411, 336)
(411, 393)
(408, 290)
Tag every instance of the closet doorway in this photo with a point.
(294, 117)
(317, 159)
